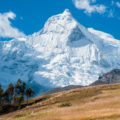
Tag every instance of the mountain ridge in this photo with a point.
(63, 53)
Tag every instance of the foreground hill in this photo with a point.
(89, 103)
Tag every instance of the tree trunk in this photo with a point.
(27, 100)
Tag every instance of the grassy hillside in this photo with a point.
(89, 103)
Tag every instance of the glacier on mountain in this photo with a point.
(63, 53)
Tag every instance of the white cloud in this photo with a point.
(112, 2)
(115, 3)
(113, 11)
(118, 4)
(89, 7)
(6, 29)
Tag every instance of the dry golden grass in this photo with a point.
(90, 103)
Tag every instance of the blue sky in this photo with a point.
(29, 16)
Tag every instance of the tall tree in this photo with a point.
(29, 93)
(20, 87)
(14, 98)
(6, 97)
(19, 99)
(10, 91)
(23, 87)
(1, 94)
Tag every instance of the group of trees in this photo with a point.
(15, 93)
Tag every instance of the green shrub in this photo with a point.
(65, 105)
(19, 115)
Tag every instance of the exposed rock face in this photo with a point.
(109, 78)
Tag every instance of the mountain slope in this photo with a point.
(62, 53)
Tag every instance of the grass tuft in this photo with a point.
(65, 105)
(19, 115)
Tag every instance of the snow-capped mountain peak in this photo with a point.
(63, 53)
(67, 12)
(60, 22)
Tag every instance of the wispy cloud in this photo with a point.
(89, 6)
(6, 29)
(112, 2)
(118, 4)
(110, 14)
(115, 3)
(114, 9)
